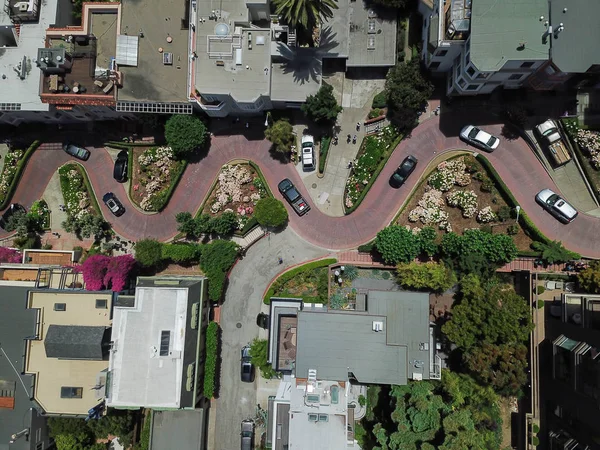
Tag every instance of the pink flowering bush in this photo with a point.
(102, 272)
(10, 255)
(94, 271)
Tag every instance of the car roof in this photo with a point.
(308, 138)
(565, 208)
(483, 136)
(285, 183)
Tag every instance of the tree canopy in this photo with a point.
(148, 252)
(322, 107)
(398, 244)
(554, 252)
(281, 135)
(431, 276)
(270, 212)
(307, 13)
(184, 134)
(589, 278)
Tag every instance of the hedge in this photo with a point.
(20, 169)
(262, 177)
(374, 176)
(211, 358)
(252, 222)
(368, 247)
(325, 143)
(182, 253)
(146, 428)
(286, 276)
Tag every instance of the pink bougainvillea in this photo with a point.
(118, 271)
(94, 271)
(10, 255)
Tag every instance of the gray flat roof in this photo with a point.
(335, 343)
(183, 430)
(296, 77)
(576, 48)
(151, 80)
(363, 33)
(18, 323)
(498, 28)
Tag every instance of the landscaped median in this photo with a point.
(308, 281)
(14, 165)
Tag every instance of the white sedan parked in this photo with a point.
(479, 138)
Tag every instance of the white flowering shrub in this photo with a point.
(157, 162)
(429, 210)
(229, 187)
(11, 161)
(486, 215)
(465, 200)
(448, 174)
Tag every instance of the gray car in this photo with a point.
(247, 434)
(556, 205)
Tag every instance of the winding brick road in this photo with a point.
(514, 161)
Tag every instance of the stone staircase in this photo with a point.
(250, 238)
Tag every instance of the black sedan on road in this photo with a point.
(403, 171)
(247, 369)
(120, 169)
(113, 203)
(77, 152)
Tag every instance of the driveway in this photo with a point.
(243, 301)
(514, 161)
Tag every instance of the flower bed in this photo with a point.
(372, 156)
(458, 195)
(11, 172)
(586, 145)
(238, 188)
(78, 199)
(154, 177)
(41, 213)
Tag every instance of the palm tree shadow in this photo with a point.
(305, 64)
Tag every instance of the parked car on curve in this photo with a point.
(291, 194)
(403, 171)
(550, 133)
(247, 434)
(120, 169)
(10, 211)
(479, 138)
(113, 203)
(308, 153)
(556, 205)
(262, 320)
(76, 152)
(247, 368)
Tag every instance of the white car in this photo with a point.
(556, 205)
(308, 153)
(479, 138)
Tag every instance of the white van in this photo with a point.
(308, 153)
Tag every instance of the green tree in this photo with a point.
(281, 135)
(322, 107)
(399, 4)
(307, 13)
(407, 92)
(270, 212)
(148, 252)
(589, 278)
(554, 252)
(91, 225)
(184, 134)
(258, 352)
(225, 224)
(202, 224)
(431, 276)
(217, 259)
(427, 241)
(397, 244)
(186, 224)
(22, 223)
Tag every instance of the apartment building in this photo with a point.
(570, 373)
(481, 45)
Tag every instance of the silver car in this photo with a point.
(479, 138)
(556, 205)
(247, 434)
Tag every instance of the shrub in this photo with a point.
(324, 150)
(535, 428)
(184, 134)
(322, 107)
(94, 272)
(367, 248)
(512, 229)
(397, 244)
(224, 224)
(379, 101)
(362, 400)
(539, 304)
(375, 113)
(148, 252)
(211, 358)
(535, 441)
(118, 272)
(430, 276)
(258, 353)
(503, 213)
(181, 253)
(426, 238)
(10, 255)
(281, 135)
(554, 252)
(270, 212)
(217, 259)
(351, 272)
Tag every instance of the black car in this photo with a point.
(262, 320)
(247, 368)
(113, 203)
(120, 169)
(403, 171)
(10, 211)
(291, 194)
(77, 152)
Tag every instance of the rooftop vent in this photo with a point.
(377, 326)
(371, 43)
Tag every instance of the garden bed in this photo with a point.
(586, 146)
(370, 160)
(14, 164)
(77, 194)
(41, 213)
(354, 280)
(154, 177)
(323, 152)
(464, 182)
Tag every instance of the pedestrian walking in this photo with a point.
(348, 139)
(350, 164)
(357, 126)
(280, 260)
(354, 139)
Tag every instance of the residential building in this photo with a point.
(484, 44)
(67, 354)
(570, 373)
(158, 345)
(22, 424)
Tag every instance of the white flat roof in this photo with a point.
(140, 376)
(32, 35)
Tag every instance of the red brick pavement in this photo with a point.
(514, 161)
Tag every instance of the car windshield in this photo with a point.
(552, 199)
(473, 133)
(307, 144)
(292, 194)
(398, 177)
(491, 141)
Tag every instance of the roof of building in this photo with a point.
(338, 343)
(151, 80)
(154, 345)
(507, 30)
(18, 323)
(295, 73)
(575, 48)
(365, 34)
(181, 429)
(74, 342)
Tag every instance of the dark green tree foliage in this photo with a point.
(184, 134)
(407, 92)
(148, 252)
(217, 259)
(186, 224)
(427, 241)
(589, 278)
(270, 212)
(223, 225)
(258, 353)
(397, 244)
(322, 107)
(281, 135)
(182, 253)
(554, 252)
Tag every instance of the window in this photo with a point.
(462, 83)
(60, 307)
(434, 65)
(472, 87)
(71, 392)
(527, 64)
(442, 53)
(101, 303)
(323, 418)
(471, 71)
(515, 76)
(165, 340)
(39, 446)
(38, 435)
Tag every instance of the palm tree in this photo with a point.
(307, 13)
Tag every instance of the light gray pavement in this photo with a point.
(355, 96)
(54, 198)
(243, 301)
(571, 183)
